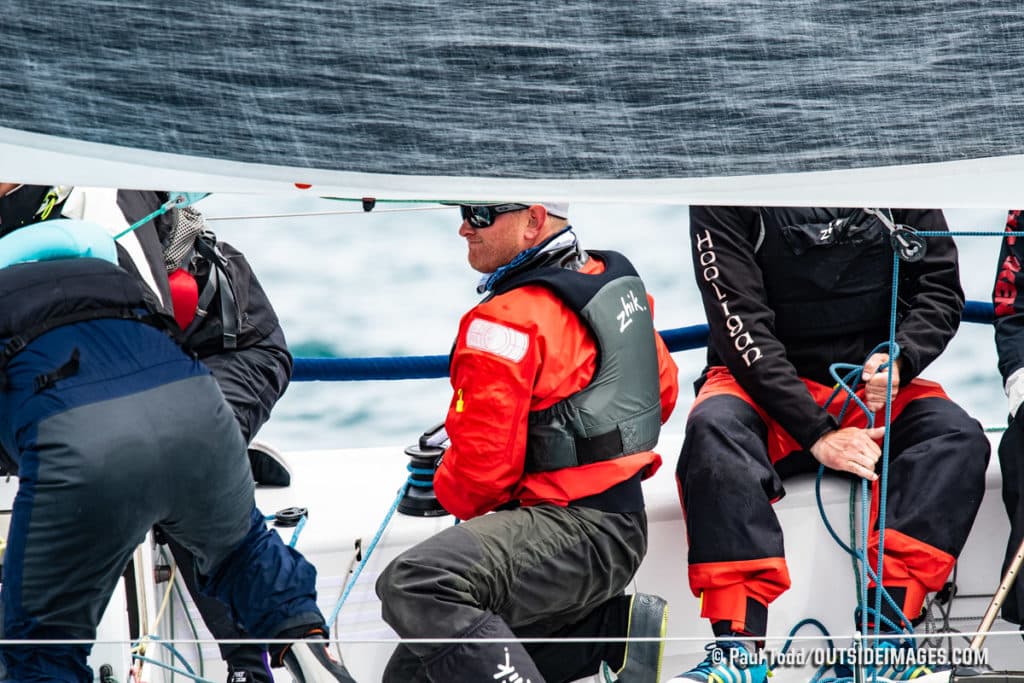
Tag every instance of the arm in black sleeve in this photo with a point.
(253, 379)
(1009, 306)
(254, 375)
(741, 325)
(932, 299)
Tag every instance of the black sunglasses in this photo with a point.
(483, 215)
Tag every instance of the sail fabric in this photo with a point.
(573, 89)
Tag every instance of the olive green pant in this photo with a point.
(543, 571)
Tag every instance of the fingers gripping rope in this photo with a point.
(848, 384)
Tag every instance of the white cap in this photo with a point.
(556, 210)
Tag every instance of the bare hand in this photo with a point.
(876, 383)
(850, 450)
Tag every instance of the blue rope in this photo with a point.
(173, 669)
(828, 639)
(369, 550)
(807, 622)
(883, 485)
(432, 367)
(847, 384)
(298, 528)
(423, 484)
(974, 311)
(177, 200)
(188, 671)
(968, 233)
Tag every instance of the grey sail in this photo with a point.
(567, 89)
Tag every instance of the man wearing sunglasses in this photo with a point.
(553, 439)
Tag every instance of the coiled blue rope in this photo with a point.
(847, 384)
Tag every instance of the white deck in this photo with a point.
(349, 492)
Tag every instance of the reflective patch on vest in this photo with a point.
(497, 339)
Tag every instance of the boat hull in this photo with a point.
(349, 492)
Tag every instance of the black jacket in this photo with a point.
(252, 376)
(1008, 301)
(743, 337)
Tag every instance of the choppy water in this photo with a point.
(396, 284)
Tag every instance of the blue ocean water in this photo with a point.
(395, 282)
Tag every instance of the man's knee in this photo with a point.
(404, 667)
(433, 584)
(979, 449)
(951, 443)
(411, 587)
(968, 437)
(717, 428)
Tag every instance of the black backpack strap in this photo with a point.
(48, 379)
(17, 343)
(218, 282)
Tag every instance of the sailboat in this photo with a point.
(816, 104)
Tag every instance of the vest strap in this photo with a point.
(17, 343)
(626, 496)
(218, 282)
(600, 447)
(47, 380)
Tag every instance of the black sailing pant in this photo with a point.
(1011, 454)
(728, 482)
(540, 571)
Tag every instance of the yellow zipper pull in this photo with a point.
(460, 405)
(48, 203)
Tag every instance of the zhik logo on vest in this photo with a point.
(630, 305)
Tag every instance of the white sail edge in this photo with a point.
(971, 183)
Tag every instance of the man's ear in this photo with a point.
(538, 222)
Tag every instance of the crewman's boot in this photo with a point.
(648, 618)
(309, 661)
(268, 465)
(248, 664)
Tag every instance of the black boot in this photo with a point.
(309, 661)
(268, 465)
(248, 664)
